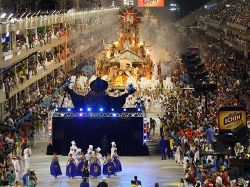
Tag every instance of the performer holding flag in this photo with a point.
(55, 169)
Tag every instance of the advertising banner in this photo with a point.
(150, 3)
(230, 120)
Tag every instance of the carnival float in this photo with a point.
(126, 60)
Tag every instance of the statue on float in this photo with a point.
(98, 97)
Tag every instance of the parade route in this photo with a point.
(148, 169)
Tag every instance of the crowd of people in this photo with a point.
(187, 133)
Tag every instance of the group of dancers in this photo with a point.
(91, 164)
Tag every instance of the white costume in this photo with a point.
(178, 155)
(90, 153)
(73, 145)
(26, 154)
(99, 155)
(113, 148)
(72, 148)
(17, 168)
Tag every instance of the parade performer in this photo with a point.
(26, 154)
(98, 154)
(71, 167)
(90, 153)
(55, 169)
(163, 146)
(73, 145)
(109, 167)
(85, 170)
(116, 160)
(95, 167)
(113, 148)
(81, 160)
(17, 167)
(80, 166)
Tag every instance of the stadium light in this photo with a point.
(138, 109)
(69, 109)
(56, 109)
(124, 109)
(10, 16)
(101, 109)
(114, 115)
(3, 15)
(81, 109)
(53, 12)
(28, 15)
(89, 109)
(22, 15)
(38, 13)
(112, 109)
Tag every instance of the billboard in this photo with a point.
(230, 118)
(150, 3)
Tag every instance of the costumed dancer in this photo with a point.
(85, 170)
(73, 145)
(81, 160)
(26, 154)
(99, 155)
(55, 169)
(17, 167)
(95, 167)
(90, 153)
(71, 167)
(113, 148)
(116, 160)
(109, 167)
(72, 148)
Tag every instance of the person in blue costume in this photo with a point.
(116, 160)
(55, 169)
(71, 167)
(109, 167)
(81, 162)
(84, 183)
(95, 167)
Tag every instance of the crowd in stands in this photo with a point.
(186, 124)
(235, 11)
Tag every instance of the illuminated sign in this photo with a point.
(230, 120)
(150, 3)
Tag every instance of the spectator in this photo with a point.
(84, 183)
(103, 183)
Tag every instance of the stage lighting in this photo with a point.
(145, 141)
(89, 109)
(101, 109)
(114, 115)
(138, 109)
(69, 109)
(81, 109)
(145, 134)
(81, 114)
(124, 109)
(56, 109)
(112, 109)
(62, 114)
